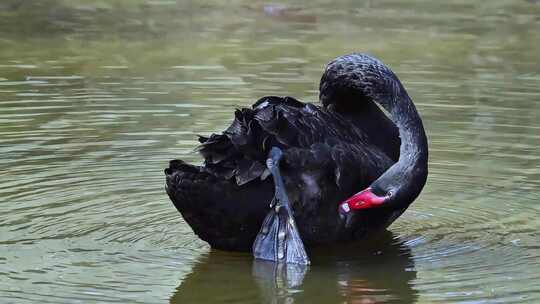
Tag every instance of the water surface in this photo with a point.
(96, 97)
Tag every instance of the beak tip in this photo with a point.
(344, 209)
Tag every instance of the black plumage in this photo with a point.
(330, 153)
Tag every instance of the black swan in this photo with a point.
(320, 158)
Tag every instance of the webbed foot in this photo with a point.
(279, 240)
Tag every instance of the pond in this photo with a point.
(97, 96)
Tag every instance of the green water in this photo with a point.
(97, 96)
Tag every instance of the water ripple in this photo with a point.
(91, 113)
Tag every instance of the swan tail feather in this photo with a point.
(220, 212)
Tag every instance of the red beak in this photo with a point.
(362, 200)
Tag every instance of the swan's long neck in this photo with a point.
(413, 156)
(356, 78)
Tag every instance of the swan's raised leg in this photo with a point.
(279, 240)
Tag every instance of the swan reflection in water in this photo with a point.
(378, 270)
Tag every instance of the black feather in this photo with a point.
(322, 147)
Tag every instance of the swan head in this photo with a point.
(397, 188)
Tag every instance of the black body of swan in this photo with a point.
(330, 153)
